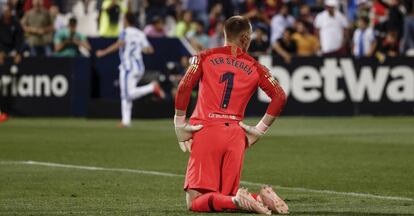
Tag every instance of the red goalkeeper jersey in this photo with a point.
(227, 79)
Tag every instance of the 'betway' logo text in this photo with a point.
(33, 86)
(307, 84)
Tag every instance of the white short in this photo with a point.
(128, 79)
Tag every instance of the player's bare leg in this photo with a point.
(269, 198)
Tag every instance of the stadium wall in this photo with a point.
(316, 86)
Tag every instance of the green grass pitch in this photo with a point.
(320, 163)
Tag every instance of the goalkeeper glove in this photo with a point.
(253, 134)
(184, 132)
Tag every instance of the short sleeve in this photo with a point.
(58, 38)
(106, 4)
(344, 21)
(355, 37)
(144, 41)
(122, 35)
(318, 21)
(49, 20)
(81, 37)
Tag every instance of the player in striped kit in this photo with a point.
(131, 43)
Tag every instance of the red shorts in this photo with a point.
(216, 158)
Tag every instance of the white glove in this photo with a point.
(184, 132)
(253, 134)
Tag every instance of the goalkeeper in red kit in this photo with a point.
(215, 136)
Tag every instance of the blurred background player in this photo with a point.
(132, 43)
(227, 78)
(3, 116)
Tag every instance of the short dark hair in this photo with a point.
(73, 21)
(364, 19)
(130, 18)
(157, 19)
(235, 26)
(201, 23)
(290, 30)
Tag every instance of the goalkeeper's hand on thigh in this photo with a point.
(184, 132)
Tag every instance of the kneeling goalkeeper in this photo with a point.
(215, 135)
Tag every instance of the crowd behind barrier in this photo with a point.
(374, 33)
(287, 28)
(314, 85)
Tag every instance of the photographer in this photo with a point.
(68, 42)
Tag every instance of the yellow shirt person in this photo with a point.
(307, 44)
(110, 19)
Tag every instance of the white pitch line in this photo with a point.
(155, 173)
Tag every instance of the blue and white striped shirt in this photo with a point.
(131, 53)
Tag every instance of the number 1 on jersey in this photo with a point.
(228, 78)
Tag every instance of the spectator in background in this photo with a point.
(294, 7)
(174, 11)
(215, 16)
(29, 4)
(154, 8)
(217, 39)
(307, 44)
(86, 14)
(109, 21)
(260, 43)
(11, 35)
(363, 42)
(68, 41)
(306, 17)
(395, 20)
(390, 45)
(363, 9)
(199, 9)
(332, 29)
(252, 10)
(271, 8)
(378, 12)
(197, 37)
(156, 28)
(59, 20)
(249, 9)
(285, 47)
(280, 22)
(16, 7)
(184, 25)
(229, 6)
(38, 25)
(408, 38)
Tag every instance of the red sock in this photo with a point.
(254, 195)
(212, 202)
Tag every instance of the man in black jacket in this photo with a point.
(11, 36)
